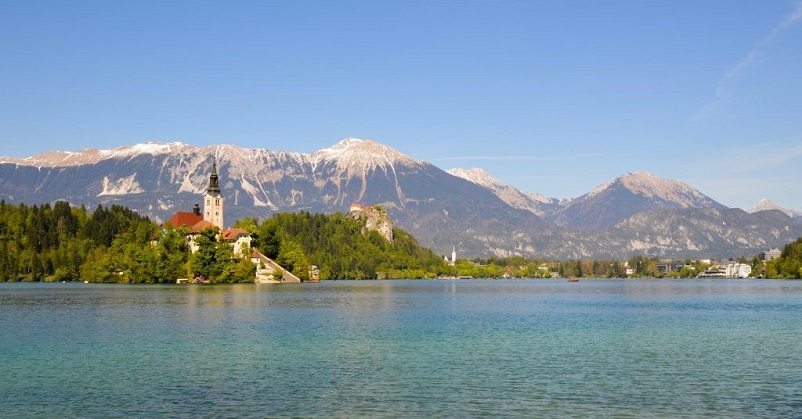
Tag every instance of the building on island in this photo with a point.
(212, 215)
(194, 222)
(239, 239)
(212, 208)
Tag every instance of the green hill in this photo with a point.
(341, 248)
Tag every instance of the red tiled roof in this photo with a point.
(200, 226)
(234, 233)
(187, 219)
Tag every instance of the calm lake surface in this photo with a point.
(505, 348)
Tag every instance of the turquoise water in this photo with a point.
(512, 348)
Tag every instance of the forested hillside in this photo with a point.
(341, 248)
(62, 243)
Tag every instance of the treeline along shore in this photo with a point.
(61, 242)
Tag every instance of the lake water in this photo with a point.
(505, 348)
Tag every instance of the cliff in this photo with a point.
(376, 219)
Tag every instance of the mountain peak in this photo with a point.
(762, 205)
(766, 205)
(477, 176)
(652, 186)
(354, 154)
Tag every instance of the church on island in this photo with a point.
(240, 240)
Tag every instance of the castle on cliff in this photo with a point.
(376, 219)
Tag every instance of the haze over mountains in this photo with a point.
(635, 214)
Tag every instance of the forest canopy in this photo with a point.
(62, 242)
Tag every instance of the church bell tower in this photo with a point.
(213, 200)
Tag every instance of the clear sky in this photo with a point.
(553, 97)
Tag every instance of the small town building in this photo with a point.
(770, 254)
(730, 270)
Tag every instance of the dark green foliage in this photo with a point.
(789, 264)
(61, 242)
(104, 224)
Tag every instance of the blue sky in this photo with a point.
(553, 97)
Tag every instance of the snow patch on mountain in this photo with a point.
(152, 147)
(256, 193)
(123, 186)
(187, 186)
(477, 176)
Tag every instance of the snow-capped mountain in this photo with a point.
(614, 201)
(158, 179)
(535, 203)
(94, 155)
(637, 213)
(767, 205)
(356, 156)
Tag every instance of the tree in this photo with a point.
(244, 271)
(203, 262)
(292, 257)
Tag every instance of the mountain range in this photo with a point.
(634, 214)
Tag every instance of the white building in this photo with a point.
(738, 270)
(730, 270)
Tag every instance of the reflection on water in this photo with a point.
(403, 348)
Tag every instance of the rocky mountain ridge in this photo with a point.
(537, 204)
(468, 209)
(767, 205)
